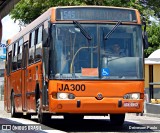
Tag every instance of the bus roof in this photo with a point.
(94, 6)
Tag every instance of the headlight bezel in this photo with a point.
(65, 96)
(132, 96)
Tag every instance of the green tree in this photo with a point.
(153, 5)
(153, 31)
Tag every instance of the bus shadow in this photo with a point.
(94, 125)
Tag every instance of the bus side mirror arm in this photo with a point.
(145, 40)
(145, 37)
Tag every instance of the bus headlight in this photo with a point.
(132, 96)
(65, 96)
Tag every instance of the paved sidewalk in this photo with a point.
(152, 115)
(3, 113)
(1, 105)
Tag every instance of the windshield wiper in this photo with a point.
(112, 30)
(83, 31)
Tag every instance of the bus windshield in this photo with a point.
(73, 56)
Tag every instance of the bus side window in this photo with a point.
(14, 57)
(31, 47)
(20, 53)
(38, 52)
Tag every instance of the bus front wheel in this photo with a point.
(117, 119)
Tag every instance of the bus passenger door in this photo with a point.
(24, 76)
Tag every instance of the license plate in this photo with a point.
(131, 104)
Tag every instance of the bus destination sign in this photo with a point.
(94, 13)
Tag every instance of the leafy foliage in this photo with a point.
(153, 31)
(153, 5)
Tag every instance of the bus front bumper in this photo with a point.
(89, 105)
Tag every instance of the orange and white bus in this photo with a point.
(62, 64)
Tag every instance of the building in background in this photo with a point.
(152, 82)
(2, 66)
(2, 52)
(152, 73)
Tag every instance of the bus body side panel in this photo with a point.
(17, 88)
(86, 100)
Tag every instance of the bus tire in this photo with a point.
(42, 117)
(117, 119)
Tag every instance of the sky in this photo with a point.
(10, 28)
